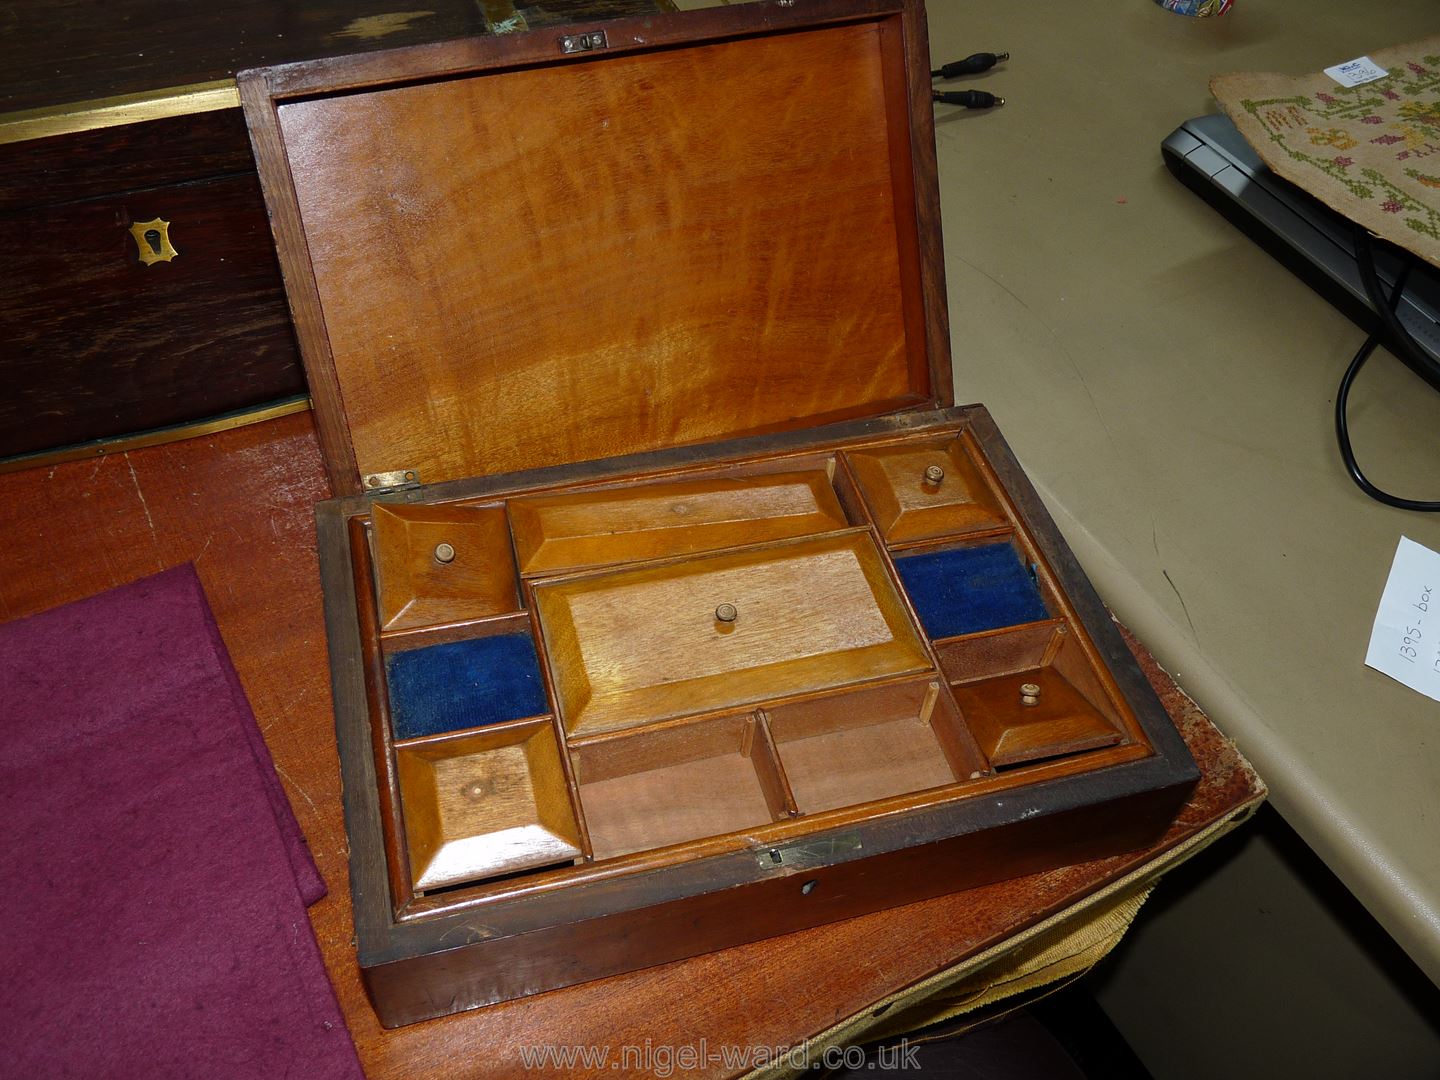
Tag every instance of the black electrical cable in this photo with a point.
(1399, 340)
(973, 64)
(969, 99)
(1385, 307)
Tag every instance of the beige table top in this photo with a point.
(1170, 389)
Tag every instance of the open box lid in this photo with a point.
(557, 246)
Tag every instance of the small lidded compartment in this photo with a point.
(582, 529)
(871, 744)
(917, 492)
(486, 803)
(1029, 693)
(675, 783)
(626, 647)
(438, 564)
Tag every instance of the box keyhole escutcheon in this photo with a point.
(152, 241)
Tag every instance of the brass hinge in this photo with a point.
(383, 483)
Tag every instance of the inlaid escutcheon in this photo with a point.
(485, 804)
(917, 492)
(682, 517)
(630, 646)
(437, 564)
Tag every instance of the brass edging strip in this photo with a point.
(158, 437)
(114, 111)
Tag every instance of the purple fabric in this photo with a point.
(157, 876)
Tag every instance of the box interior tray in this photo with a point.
(663, 666)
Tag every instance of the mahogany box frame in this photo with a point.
(438, 957)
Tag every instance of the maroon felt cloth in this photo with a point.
(157, 879)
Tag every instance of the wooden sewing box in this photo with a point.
(671, 604)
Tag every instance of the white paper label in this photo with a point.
(1356, 72)
(1405, 641)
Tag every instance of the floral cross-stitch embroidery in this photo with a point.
(1362, 148)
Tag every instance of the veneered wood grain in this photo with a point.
(543, 905)
(1061, 721)
(629, 646)
(76, 50)
(600, 258)
(98, 344)
(487, 803)
(385, 777)
(908, 505)
(996, 652)
(132, 157)
(653, 788)
(774, 992)
(69, 51)
(86, 526)
(654, 520)
(418, 587)
(871, 745)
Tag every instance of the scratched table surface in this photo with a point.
(239, 505)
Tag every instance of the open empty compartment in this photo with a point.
(489, 677)
(918, 490)
(969, 588)
(661, 518)
(439, 564)
(486, 803)
(676, 783)
(1031, 693)
(626, 647)
(872, 743)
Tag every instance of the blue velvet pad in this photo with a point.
(966, 590)
(464, 684)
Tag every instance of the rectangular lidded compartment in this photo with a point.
(629, 646)
(659, 518)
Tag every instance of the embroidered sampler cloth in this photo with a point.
(1372, 151)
